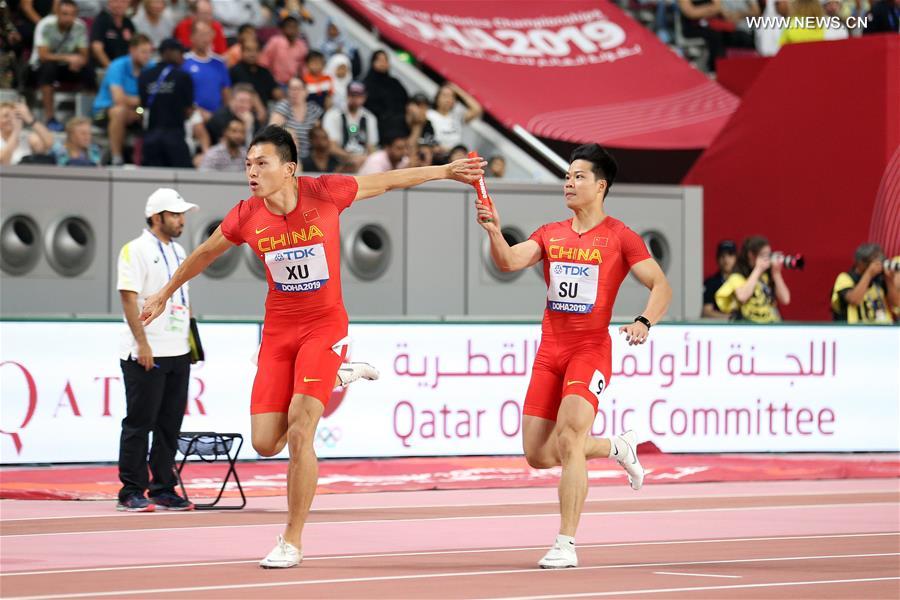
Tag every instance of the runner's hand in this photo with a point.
(487, 212)
(466, 170)
(145, 356)
(154, 306)
(635, 333)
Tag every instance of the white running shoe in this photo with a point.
(350, 372)
(560, 556)
(282, 556)
(630, 461)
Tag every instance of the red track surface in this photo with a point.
(813, 539)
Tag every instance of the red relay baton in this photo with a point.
(481, 191)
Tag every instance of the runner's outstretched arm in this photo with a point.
(506, 257)
(464, 170)
(202, 256)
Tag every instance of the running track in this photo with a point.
(812, 539)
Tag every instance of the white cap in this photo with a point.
(166, 199)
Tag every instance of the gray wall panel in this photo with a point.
(384, 216)
(48, 196)
(435, 263)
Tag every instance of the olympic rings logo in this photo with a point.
(328, 437)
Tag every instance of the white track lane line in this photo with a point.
(697, 574)
(554, 515)
(121, 515)
(697, 589)
(450, 552)
(444, 575)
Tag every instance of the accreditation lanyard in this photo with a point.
(168, 268)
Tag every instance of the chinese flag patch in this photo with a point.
(601, 241)
(311, 215)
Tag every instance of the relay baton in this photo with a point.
(481, 192)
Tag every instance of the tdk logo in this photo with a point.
(572, 270)
(299, 253)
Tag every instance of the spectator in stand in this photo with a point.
(233, 55)
(319, 85)
(31, 12)
(386, 95)
(726, 257)
(714, 22)
(420, 129)
(335, 43)
(320, 159)
(155, 21)
(16, 141)
(752, 292)
(353, 131)
(285, 52)
(212, 85)
(248, 70)
(201, 11)
(457, 152)
(884, 17)
(834, 8)
(393, 155)
(167, 95)
(338, 68)
(115, 107)
(797, 32)
(423, 156)
(867, 293)
(230, 154)
(241, 107)
(448, 116)
(78, 150)
(62, 51)
(496, 167)
(297, 115)
(111, 33)
(232, 14)
(768, 39)
(293, 8)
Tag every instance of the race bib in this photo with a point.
(573, 287)
(302, 269)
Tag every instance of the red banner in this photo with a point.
(573, 70)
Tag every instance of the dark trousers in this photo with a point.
(50, 73)
(166, 148)
(155, 400)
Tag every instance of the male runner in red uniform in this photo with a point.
(585, 260)
(293, 226)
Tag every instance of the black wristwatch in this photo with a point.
(644, 320)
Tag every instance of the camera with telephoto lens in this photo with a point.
(892, 264)
(789, 261)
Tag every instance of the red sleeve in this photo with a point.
(634, 250)
(183, 32)
(538, 236)
(231, 225)
(341, 189)
(219, 43)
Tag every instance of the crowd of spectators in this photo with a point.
(726, 24)
(187, 83)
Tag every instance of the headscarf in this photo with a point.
(340, 83)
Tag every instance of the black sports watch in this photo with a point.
(644, 320)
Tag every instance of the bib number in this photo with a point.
(302, 269)
(573, 287)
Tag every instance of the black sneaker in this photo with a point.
(171, 501)
(135, 503)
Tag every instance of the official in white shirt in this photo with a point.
(156, 360)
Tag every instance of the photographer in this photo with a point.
(865, 293)
(751, 292)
